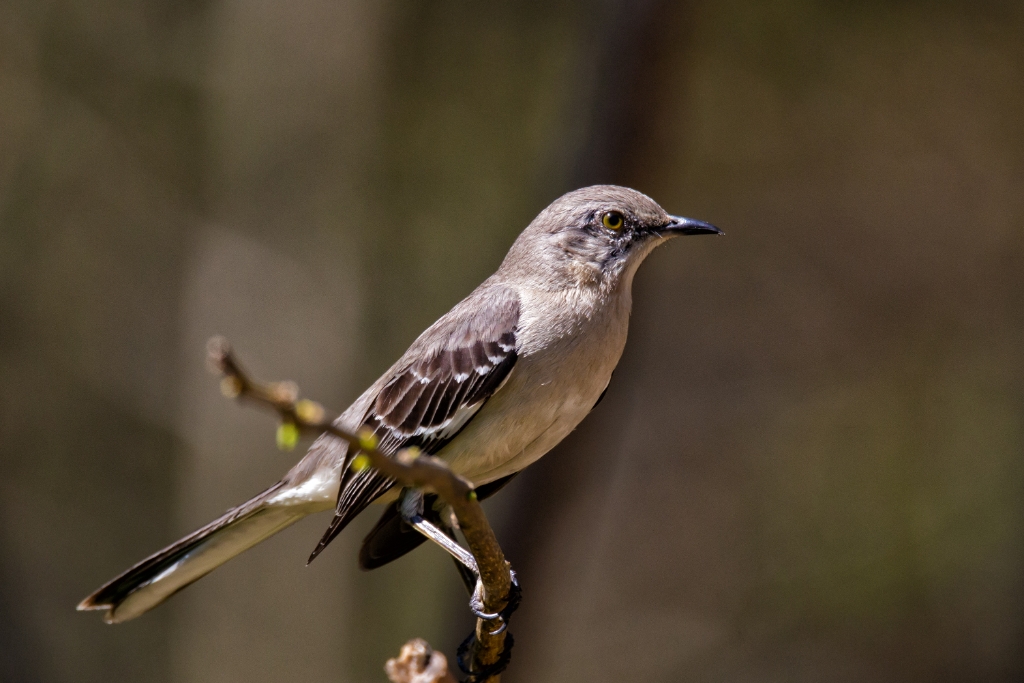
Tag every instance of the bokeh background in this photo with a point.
(810, 463)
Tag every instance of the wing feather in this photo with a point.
(430, 395)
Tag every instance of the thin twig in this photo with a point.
(408, 467)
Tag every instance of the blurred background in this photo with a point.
(808, 466)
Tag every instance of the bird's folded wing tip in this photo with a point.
(88, 605)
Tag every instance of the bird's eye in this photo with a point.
(612, 220)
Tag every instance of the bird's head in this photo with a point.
(597, 235)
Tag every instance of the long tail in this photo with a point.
(163, 574)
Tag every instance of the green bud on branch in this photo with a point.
(308, 411)
(287, 436)
(367, 439)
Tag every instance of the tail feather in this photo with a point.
(164, 573)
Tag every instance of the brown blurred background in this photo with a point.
(809, 464)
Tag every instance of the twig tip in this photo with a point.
(218, 349)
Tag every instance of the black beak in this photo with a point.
(688, 226)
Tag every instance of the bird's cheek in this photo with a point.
(585, 274)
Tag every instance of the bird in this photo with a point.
(489, 388)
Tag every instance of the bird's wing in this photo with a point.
(433, 392)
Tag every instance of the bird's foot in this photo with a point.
(476, 604)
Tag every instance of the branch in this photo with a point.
(409, 467)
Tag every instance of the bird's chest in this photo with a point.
(567, 354)
(568, 367)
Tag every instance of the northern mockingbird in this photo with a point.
(492, 386)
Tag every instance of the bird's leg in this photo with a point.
(449, 524)
(412, 514)
(411, 508)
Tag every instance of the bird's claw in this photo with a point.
(476, 604)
